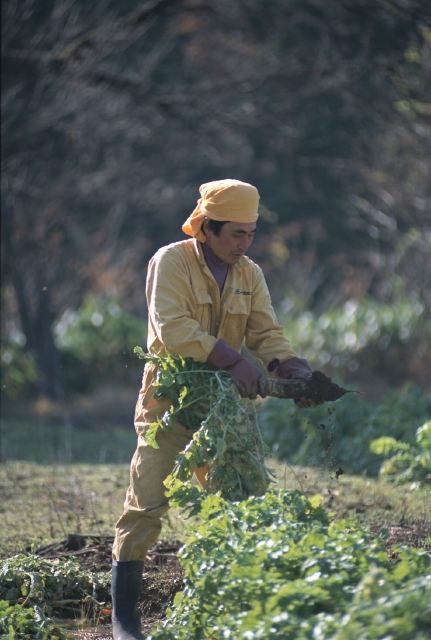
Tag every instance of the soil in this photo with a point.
(318, 387)
(416, 536)
(339, 472)
(322, 389)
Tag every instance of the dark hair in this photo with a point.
(214, 226)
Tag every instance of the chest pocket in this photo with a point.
(203, 308)
(235, 321)
(240, 305)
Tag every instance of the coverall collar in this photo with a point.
(242, 262)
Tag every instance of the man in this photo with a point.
(204, 298)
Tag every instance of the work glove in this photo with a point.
(244, 373)
(294, 368)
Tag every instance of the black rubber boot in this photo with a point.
(126, 588)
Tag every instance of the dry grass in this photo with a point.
(368, 500)
(42, 503)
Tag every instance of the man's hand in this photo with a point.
(244, 373)
(297, 368)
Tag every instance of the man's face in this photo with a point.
(232, 242)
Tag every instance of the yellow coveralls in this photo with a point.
(186, 316)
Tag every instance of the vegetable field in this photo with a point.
(369, 503)
(274, 567)
(300, 552)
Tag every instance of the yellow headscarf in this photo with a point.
(225, 201)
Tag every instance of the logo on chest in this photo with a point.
(242, 293)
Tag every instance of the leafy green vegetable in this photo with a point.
(47, 582)
(227, 436)
(17, 621)
(33, 589)
(275, 567)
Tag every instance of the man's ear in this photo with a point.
(205, 228)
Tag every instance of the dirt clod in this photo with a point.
(339, 472)
(321, 388)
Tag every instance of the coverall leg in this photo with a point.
(140, 524)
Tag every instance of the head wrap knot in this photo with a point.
(225, 201)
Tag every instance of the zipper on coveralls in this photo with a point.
(215, 295)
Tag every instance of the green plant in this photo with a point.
(275, 567)
(341, 433)
(338, 336)
(18, 366)
(19, 622)
(227, 437)
(50, 584)
(96, 342)
(405, 462)
(34, 589)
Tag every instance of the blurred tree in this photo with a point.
(114, 113)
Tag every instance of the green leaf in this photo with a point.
(386, 445)
(150, 435)
(140, 353)
(221, 446)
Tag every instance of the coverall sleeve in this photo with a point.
(264, 336)
(171, 307)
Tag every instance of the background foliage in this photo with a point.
(406, 462)
(114, 113)
(342, 434)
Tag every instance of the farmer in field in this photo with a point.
(204, 298)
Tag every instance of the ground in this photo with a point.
(65, 510)
(162, 578)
